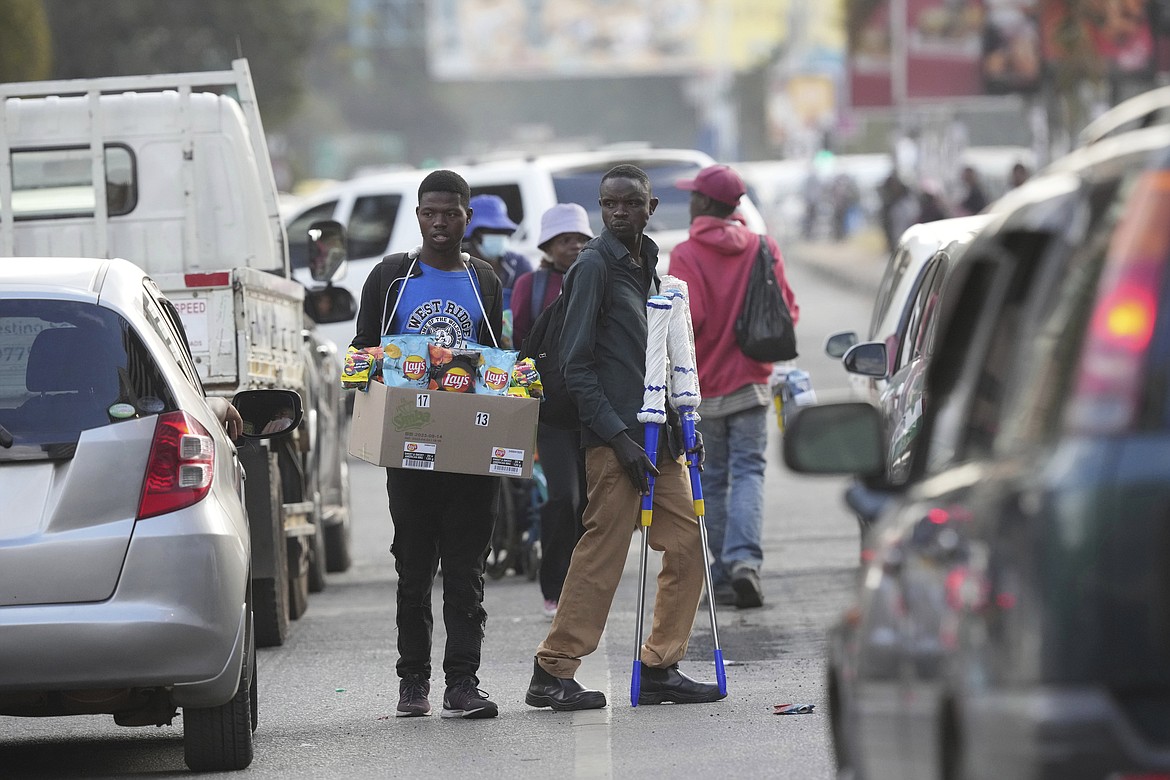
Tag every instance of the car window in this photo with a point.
(920, 312)
(164, 318)
(298, 229)
(371, 223)
(1061, 310)
(580, 185)
(66, 367)
(992, 367)
(895, 269)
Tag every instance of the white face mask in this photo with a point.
(493, 245)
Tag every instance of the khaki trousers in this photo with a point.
(612, 513)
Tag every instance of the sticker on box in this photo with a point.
(509, 463)
(418, 455)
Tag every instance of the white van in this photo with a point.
(378, 210)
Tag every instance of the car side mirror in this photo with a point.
(268, 413)
(847, 437)
(330, 304)
(868, 359)
(327, 252)
(839, 343)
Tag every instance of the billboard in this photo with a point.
(474, 40)
(958, 48)
(1109, 36)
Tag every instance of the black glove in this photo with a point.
(697, 454)
(634, 460)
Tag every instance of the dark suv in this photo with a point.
(1015, 618)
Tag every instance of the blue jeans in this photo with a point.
(733, 489)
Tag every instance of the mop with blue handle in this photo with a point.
(685, 398)
(652, 415)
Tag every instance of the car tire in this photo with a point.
(220, 738)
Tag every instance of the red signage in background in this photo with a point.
(1116, 32)
(943, 45)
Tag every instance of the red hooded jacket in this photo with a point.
(715, 263)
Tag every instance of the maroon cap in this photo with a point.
(717, 182)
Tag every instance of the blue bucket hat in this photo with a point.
(488, 212)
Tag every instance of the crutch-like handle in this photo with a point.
(650, 441)
(688, 430)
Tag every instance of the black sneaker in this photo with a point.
(465, 700)
(412, 698)
(746, 582)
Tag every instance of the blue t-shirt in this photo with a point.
(441, 304)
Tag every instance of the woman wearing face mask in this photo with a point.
(487, 238)
(564, 229)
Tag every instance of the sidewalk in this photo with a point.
(857, 263)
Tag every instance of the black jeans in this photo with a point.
(563, 463)
(448, 518)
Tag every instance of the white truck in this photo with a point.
(172, 173)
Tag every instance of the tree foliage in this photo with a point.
(133, 37)
(24, 41)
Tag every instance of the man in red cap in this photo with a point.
(715, 262)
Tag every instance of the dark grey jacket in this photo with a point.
(603, 344)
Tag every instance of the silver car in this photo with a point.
(124, 546)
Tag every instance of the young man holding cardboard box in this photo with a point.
(439, 517)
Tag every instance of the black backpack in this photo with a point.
(764, 328)
(543, 345)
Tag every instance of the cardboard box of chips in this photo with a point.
(434, 430)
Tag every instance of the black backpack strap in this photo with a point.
(539, 288)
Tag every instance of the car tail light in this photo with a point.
(180, 468)
(1109, 386)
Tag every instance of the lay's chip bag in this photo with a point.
(452, 369)
(495, 370)
(405, 360)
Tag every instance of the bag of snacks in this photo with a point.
(453, 369)
(495, 370)
(525, 380)
(360, 367)
(405, 361)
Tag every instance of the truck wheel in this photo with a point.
(220, 738)
(270, 608)
(298, 580)
(337, 555)
(318, 562)
(271, 611)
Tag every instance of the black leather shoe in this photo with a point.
(559, 693)
(669, 684)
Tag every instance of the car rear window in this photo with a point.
(67, 367)
(580, 185)
(51, 183)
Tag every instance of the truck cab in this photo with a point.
(172, 173)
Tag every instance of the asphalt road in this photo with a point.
(327, 698)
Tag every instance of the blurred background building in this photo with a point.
(349, 86)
